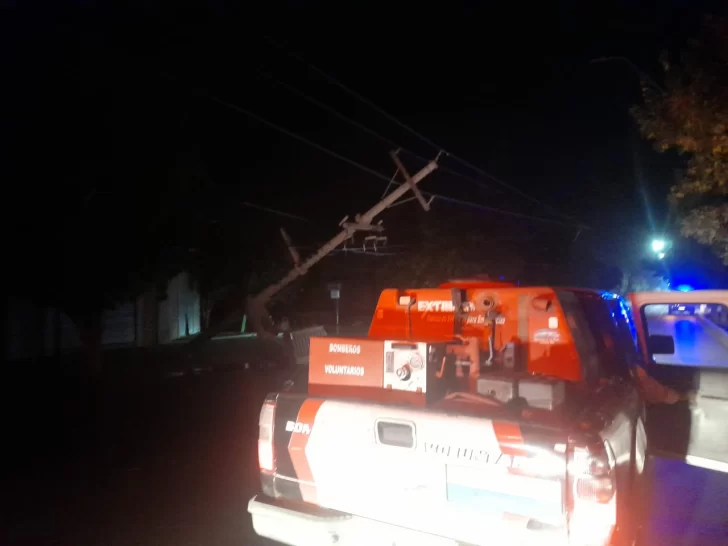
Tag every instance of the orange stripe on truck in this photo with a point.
(297, 450)
(509, 438)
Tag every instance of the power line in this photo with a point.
(368, 130)
(274, 211)
(487, 208)
(368, 102)
(351, 92)
(296, 136)
(368, 170)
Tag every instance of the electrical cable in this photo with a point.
(296, 136)
(422, 137)
(274, 211)
(369, 170)
(294, 90)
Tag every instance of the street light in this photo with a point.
(658, 245)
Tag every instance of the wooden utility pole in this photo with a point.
(256, 311)
(363, 223)
(412, 184)
(292, 249)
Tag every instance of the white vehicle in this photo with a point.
(532, 459)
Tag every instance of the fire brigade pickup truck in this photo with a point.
(473, 413)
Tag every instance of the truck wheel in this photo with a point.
(631, 501)
(633, 506)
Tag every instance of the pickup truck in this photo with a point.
(472, 414)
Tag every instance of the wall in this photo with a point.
(68, 334)
(147, 319)
(33, 331)
(119, 326)
(179, 313)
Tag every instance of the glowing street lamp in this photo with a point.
(659, 245)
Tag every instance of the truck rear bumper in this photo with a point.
(297, 525)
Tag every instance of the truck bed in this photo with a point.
(456, 472)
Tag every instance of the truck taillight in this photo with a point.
(593, 493)
(266, 423)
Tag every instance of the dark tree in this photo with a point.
(691, 116)
(448, 243)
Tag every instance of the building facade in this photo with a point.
(153, 318)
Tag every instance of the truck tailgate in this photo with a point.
(446, 474)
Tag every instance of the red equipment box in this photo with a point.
(372, 369)
(346, 361)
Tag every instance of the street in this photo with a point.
(697, 341)
(688, 505)
(172, 462)
(141, 456)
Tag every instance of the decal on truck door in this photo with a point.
(294, 425)
(297, 449)
(345, 348)
(510, 444)
(547, 337)
(510, 437)
(298, 428)
(444, 306)
(338, 362)
(379, 452)
(333, 369)
(467, 454)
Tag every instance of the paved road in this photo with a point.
(697, 342)
(174, 464)
(689, 505)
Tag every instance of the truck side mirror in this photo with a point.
(661, 345)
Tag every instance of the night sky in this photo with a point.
(507, 89)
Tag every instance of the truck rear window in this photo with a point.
(615, 350)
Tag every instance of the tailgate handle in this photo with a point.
(395, 433)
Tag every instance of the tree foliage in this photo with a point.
(691, 116)
(448, 246)
(641, 279)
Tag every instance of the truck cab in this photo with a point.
(473, 413)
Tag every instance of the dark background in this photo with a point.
(121, 166)
(129, 155)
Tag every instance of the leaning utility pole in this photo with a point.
(363, 222)
(256, 311)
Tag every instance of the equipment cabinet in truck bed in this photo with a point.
(472, 414)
